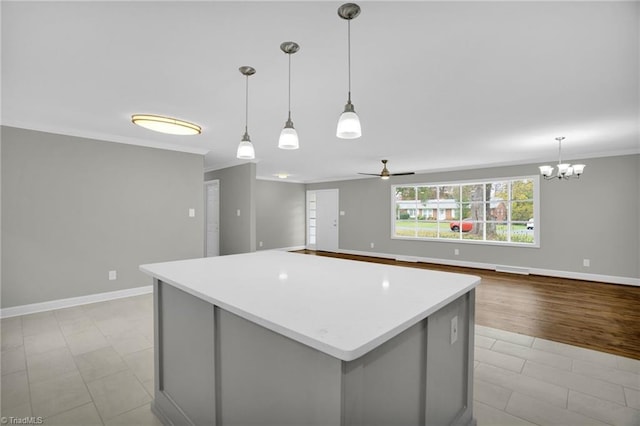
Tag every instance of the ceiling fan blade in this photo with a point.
(370, 174)
(403, 174)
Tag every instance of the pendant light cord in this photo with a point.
(289, 86)
(246, 107)
(349, 54)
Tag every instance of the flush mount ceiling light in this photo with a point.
(289, 136)
(169, 125)
(349, 123)
(565, 170)
(245, 148)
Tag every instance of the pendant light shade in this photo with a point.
(349, 122)
(245, 148)
(288, 135)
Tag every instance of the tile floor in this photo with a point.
(93, 365)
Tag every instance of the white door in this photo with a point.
(212, 228)
(327, 220)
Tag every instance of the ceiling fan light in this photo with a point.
(384, 177)
(349, 125)
(578, 169)
(168, 125)
(288, 137)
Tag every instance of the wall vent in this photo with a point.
(512, 269)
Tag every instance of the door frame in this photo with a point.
(313, 246)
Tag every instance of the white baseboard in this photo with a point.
(33, 308)
(292, 248)
(610, 279)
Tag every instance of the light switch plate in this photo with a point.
(192, 212)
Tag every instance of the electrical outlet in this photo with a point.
(260, 244)
(113, 275)
(238, 212)
(456, 251)
(192, 212)
(372, 245)
(586, 263)
(454, 329)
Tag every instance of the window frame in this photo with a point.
(535, 179)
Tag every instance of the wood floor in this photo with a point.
(599, 316)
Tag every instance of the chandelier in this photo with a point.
(565, 170)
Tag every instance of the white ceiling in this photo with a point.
(437, 85)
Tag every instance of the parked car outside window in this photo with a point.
(466, 224)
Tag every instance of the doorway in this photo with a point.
(212, 214)
(322, 220)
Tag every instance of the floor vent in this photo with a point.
(512, 270)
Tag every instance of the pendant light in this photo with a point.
(349, 123)
(288, 135)
(245, 148)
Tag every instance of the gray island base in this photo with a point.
(231, 348)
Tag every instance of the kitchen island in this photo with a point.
(277, 338)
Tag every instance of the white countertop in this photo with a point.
(341, 307)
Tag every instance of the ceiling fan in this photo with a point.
(384, 174)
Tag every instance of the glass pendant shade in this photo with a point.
(349, 124)
(546, 170)
(288, 137)
(245, 149)
(578, 168)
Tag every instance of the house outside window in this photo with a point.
(494, 211)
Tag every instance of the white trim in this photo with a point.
(51, 305)
(292, 248)
(609, 279)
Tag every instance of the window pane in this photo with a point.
(427, 193)
(521, 211)
(495, 231)
(448, 232)
(472, 230)
(520, 233)
(406, 228)
(450, 192)
(522, 190)
(405, 193)
(427, 229)
(473, 192)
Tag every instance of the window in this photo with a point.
(496, 211)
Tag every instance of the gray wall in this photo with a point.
(280, 214)
(237, 192)
(75, 208)
(595, 217)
